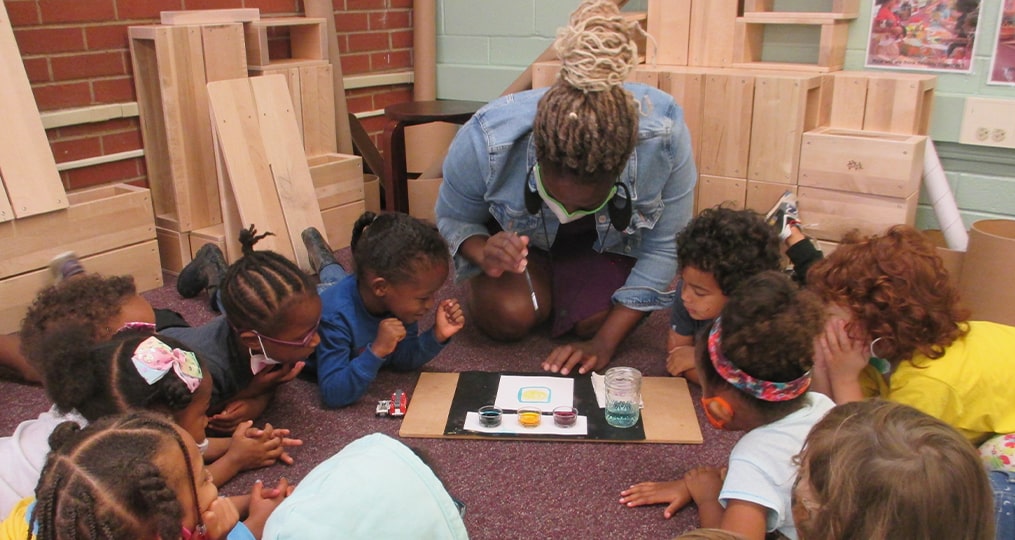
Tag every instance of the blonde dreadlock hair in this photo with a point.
(587, 123)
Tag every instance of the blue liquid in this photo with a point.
(622, 414)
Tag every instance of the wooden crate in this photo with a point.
(669, 24)
(716, 190)
(882, 101)
(785, 106)
(829, 214)
(306, 40)
(338, 179)
(174, 249)
(750, 32)
(98, 219)
(762, 196)
(172, 65)
(209, 235)
(712, 32)
(728, 107)
(140, 260)
(687, 86)
(862, 161)
(312, 92)
(210, 16)
(338, 222)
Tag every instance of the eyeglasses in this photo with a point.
(577, 213)
(303, 342)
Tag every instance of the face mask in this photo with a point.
(557, 207)
(259, 362)
(203, 446)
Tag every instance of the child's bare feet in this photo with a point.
(674, 493)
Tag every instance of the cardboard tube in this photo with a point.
(424, 50)
(940, 195)
(985, 285)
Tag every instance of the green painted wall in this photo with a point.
(483, 45)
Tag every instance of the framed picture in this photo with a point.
(1002, 64)
(935, 35)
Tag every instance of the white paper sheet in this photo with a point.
(509, 424)
(516, 391)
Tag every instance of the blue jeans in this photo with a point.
(329, 275)
(1003, 483)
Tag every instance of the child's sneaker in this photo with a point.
(318, 251)
(784, 215)
(204, 272)
(65, 266)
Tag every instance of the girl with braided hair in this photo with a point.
(564, 203)
(130, 477)
(268, 329)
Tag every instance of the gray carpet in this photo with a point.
(511, 489)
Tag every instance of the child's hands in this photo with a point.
(705, 483)
(251, 449)
(220, 518)
(269, 433)
(389, 333)
(264, 501)
(450, 319)
(840, 359)
(268, 379)
(675, 493)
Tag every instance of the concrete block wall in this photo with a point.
(76, 55)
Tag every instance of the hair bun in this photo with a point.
(596, 49)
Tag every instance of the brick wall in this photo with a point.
(76, 55)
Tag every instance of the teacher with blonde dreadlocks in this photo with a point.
(562, 205)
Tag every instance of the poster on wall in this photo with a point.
(936, 35)
(1002, 65)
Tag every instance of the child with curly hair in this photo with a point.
(370, 318)
(899, 332)
(717, 251)
(878, 470)
(755, 373)
(133, 476)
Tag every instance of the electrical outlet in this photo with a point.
(988, 122)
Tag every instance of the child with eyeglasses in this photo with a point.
(755, 372)
(370, 319)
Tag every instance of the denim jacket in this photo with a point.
(490, 162)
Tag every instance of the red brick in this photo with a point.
(400, 4)
(127, 10)
(115, 90)
(72, 150)
(213, 4)
(354, 5)
(23, 13)
(274, 7)
(369, 41)
(355, 63)
(64, 11)
(49, 40)
(401, 40)
(390, 60)
(62, 96)
(388, 19)
(359, 104)
(352, 22)
(37, 69)
(72, 132)
(121, 142)
(104, 173)
(88, 65)
(397, 94)
(107, 36)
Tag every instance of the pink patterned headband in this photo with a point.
(153, 359)
(763, 390)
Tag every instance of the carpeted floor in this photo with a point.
(511, 489)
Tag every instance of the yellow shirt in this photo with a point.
(15, 527)
(971, 387)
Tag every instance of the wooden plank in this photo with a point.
(688, 89)
(726, 127)
(668, 412)
(288, 163)
(27, 166)
(785, 106)
(325, 9)
(98, 219)
(862, 161)
(338, 222)
(306, 39)
(899, 103)
(829, 214)
(712, 33)
(6, 213)
(236, 121)
(338, 179)
(210, 16)
(849, 100)
(140, 260)
(174, 249)
(231, 222)
(224, 53)
(762, 196)
(669, 23)
(718, 190)
(147, 82)
(317, 110)
(208, 235)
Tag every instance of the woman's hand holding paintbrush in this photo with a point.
(508, 252)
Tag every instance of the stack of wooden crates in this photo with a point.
(174, 63)
(109, 227)
(849, 144)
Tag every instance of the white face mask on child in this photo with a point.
(259, 362)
